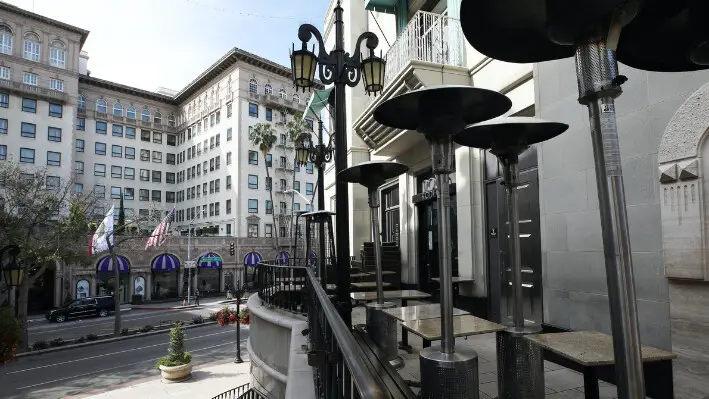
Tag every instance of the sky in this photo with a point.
(168, 43)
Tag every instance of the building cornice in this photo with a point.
(105, 84)
(83, 33)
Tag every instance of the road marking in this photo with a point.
(113, 368)
(108, 354)
(55, 328)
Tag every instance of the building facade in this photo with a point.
(189, 150)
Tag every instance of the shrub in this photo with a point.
(39, 345)
(56, 342)
(91, 337)
(125, 331)
(197, 319)
(177, 355)
(213, 316)
(80, 340)
(146, 328)
(245, 316)
(9, 335)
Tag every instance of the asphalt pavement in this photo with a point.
(79, 371)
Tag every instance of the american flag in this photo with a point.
(160, 233)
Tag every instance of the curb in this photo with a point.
(170, 308)
(108, 340)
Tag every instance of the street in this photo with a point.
(79, 371)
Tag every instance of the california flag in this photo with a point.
(99, 241)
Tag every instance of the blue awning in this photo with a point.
(314, 256)
(105, 265)
(283, 258)
(252, 259)
(210, 260)
(165, 263)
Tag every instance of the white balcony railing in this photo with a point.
(428, 37)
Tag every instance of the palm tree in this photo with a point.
(294, 129)
(263, 136)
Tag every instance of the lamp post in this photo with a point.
(341, 69)
(12, 272)
(319, 155)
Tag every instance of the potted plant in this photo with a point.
(177, 365)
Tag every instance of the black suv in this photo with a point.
(85, 307)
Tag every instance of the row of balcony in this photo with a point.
(277, 101)
(103, 116)
(41, 93)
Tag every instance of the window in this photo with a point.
(296, 185)
(26, 155)
(100, 169)
(282, 93)
(31, 47)
(116, 151)
(56, 110)
(308, 208)
(171, 140)
(144, 175)
(5, 40)
(5, 100)
(170, 159)
(216, 140)
(309, 168)
(157, 156)
(145, 136)
(253, 110)
(143, 195)
(128, 193)
(130, 132)
(56, 84)
(3, 152)
(145, 155)
(211, 187)
(269, 114)
(296, 206)
(81, 102)
(101, 105)
(130, 112)
(170, 177)
(253, 206)
(253, 181)
(228, 158)
(269, 180)
(268, 230)
(78, 188)
(117, 131)
(171, 120)
(211, 120)
(80, 124)
(309, 122)
(29, 105)
(253, 86)
(3, 126)
(130, 152)
(269, 160)
(54, 134)
(253, 230)
(211, 143)
(269, 207)
(156, 196)
(308, 188)
(253, 158)
(157, 176)
(79, 145)
(101, 127)
(296, 98)
(282, 231)
(157, 118)
(100, 191)
(4, 72)
(228, 134)
(170, 196)
(145, 115)
(28, 130)
(228, 110)
(283, 162)
(54, 158)
(129, 173)
(228, 182)
(79, 167)
(29, 79)
(100, 148)
(157, 137)
(116, 172)
(115, 192)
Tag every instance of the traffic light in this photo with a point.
(231, 249)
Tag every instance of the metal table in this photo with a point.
(463, 326)
(417, 312)
(456, 284)
(594, 352)
(369, 284)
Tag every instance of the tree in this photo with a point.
(9, 335)
(43, 215)
(121, 216)
(295, 128)
(263, 136)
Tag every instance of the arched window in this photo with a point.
(31, 47)
(171, 120)
(5, 40)
(101, 105)
(117, 109)
(81, 103)
(130, 112)
(157, 118)
(268, 89)
(296, 98)
(57, 54)
(253, 86)
(283, 94)
(145, 115)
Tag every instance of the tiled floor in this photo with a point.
(561, 383)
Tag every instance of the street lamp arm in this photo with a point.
(328, 62)
(352, 63)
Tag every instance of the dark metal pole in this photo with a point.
(321, 168)
(239, 293)
(342, 218)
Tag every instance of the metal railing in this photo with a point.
(428, 37)
(281, 284)
(241, 392)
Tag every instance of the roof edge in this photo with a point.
(41, 18)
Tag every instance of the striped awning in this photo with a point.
(252, 259)
(282, 258)
(165, 263)
(314, 256)
(210, 260)
(105, 264)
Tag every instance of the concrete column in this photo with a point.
(148, 286)
(180, 284)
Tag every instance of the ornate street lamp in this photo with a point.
(341, 69)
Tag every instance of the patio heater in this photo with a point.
(298, 232)
(319, 246)
(654, 35)
(439, 112)
(520, 363)
(380, 327)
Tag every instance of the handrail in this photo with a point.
(369, 384)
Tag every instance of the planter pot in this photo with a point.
(176, 373)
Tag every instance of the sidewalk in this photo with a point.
(207, 381)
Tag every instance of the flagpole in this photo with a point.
(189, 258)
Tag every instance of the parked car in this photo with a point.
(85, 307)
